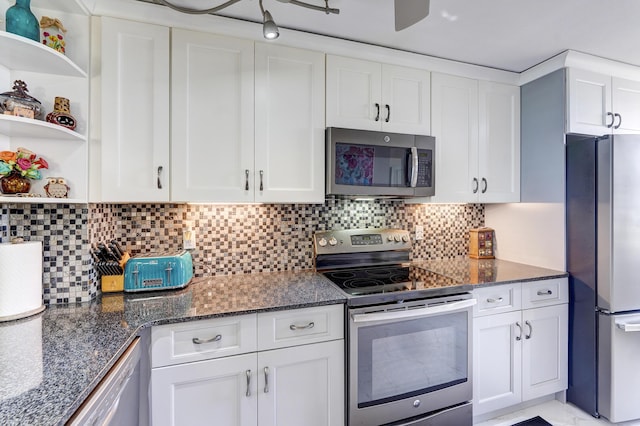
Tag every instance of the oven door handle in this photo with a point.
(413, 313)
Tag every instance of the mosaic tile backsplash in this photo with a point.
(230, 239)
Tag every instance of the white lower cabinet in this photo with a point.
(519, 354)
(301, 382)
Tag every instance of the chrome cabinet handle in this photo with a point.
(484, 185)
(475, 185)
(619, 120)
(198, 341)
(246, 179)
(528, 336)
(492, 300)
(159, 182)
(386, 120)
(519, 337)
(544, 292)
(261, 175)
(266, 380)
(613, 119)
(377, 112)
(248, 373)
(301, 327)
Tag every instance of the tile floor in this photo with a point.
(556, 413)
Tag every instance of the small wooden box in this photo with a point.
(482, 243)
(112, 283)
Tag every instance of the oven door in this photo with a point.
(409, 359)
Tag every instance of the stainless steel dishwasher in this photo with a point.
(116, 400)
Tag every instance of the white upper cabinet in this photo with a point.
(499, 143)
(372, 96)
(599, 104)
(477, 129)
(289, 124)
(130, 131)
(212, 132)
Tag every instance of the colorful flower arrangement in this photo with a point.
(22, 161)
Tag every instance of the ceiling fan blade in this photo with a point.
(409, 12)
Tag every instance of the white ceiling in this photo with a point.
(512, 35)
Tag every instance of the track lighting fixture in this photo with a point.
(269, 28)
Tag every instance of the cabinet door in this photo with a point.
(499, 143)
(545, 351)
(353, 93)
(134, 145)
(406, 100)
(219, 391)
(626, 103)
(454, 123)
(289, 137)
(588, 103)
(302, 385)
(212, 118)
(497, 379)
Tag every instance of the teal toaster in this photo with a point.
(158, 272)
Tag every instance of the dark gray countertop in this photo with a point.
(50, 363)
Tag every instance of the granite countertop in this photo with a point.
(50, 362)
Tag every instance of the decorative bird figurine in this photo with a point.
(56, 187)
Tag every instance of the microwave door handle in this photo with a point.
(413, 181)
(413, 313)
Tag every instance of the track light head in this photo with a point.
(269, 27)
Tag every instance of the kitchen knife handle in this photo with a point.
(475, 185)
(528, 336)
(613, 119)
(519, 337)
(248, 373)
(386, 120)
(198, 341)
(619, 120)
(266, 380)
(159, 181)
(246, 179)
(377, 112)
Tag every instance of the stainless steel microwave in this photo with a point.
(366, 163)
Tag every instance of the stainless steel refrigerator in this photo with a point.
(603, 259)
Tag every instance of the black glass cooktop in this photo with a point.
(386, 279)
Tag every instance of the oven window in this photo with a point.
(370, 165)
(412, 357)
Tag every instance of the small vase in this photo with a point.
(14, 183)
(20, 20)
(61, 114)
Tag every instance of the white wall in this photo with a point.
(531, 233)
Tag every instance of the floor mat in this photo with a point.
(535, 421)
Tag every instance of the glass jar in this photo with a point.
(18, 98)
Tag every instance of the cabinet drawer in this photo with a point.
(545, 293)
(300, 326)
(202, 339)
(497, 299)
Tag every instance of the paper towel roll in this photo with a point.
(20, 280)
(21, 362)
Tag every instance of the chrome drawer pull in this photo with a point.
(197, 341)
(519, 337)
(528, 336)
(266, 380)
(248, 373)
(492, 300)
(301, 327)
(544, 292)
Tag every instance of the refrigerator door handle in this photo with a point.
(628, 327)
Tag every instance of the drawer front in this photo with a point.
(545, 292)
(497, 299)
(202, 339)
(300, 326)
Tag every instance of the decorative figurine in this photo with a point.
(20, 20)
(53, 33)
(61, 114)
(56, 187)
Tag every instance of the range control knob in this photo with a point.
(390, 238)
(405, 238)
(333, 241)
(322, 242)
(397, 238)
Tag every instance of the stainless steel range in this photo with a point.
(409, 331)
